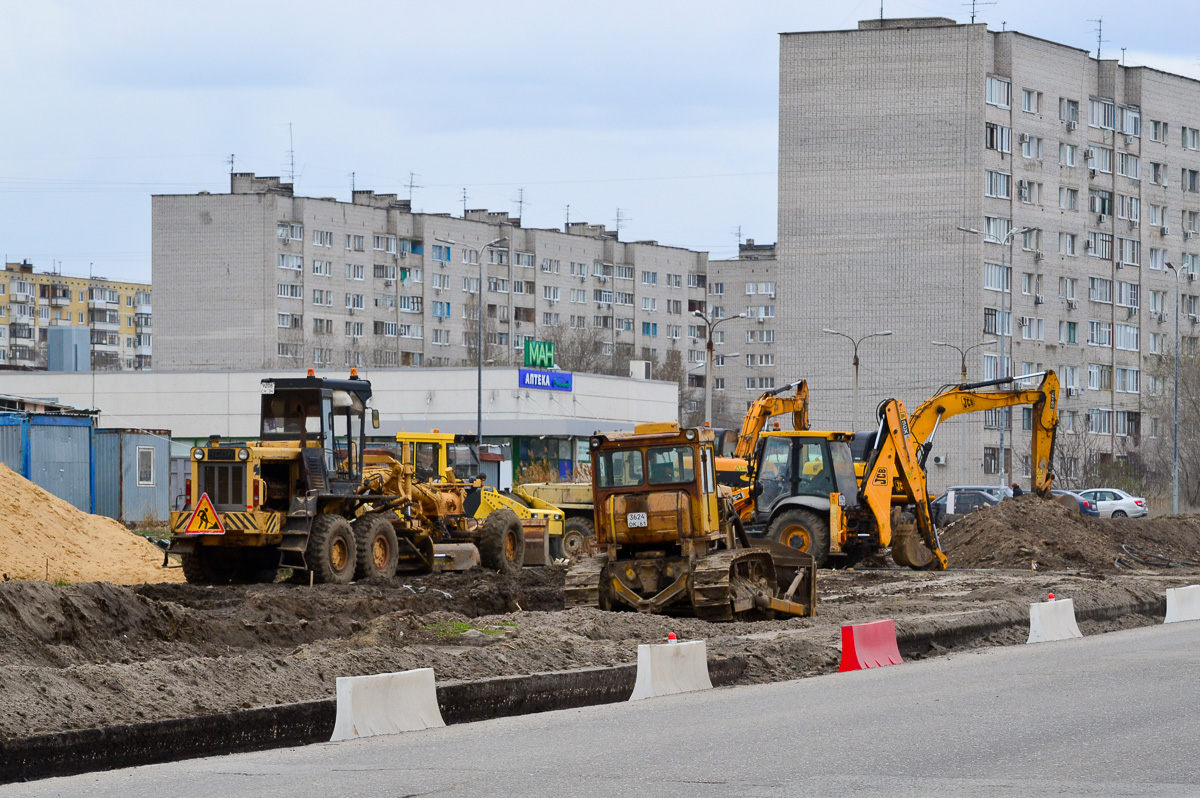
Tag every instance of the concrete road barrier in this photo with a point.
(869, 645)
(671, 668)
(1052, 620)
(1183, 604)
(386, 703)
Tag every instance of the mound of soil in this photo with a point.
(44, 537)
(1017, 532)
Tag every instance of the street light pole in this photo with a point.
(851, 339)
(478, 345)
(963, 353)
(709, 326)
(1175, 423)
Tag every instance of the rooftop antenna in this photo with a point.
(1099, 35)
(412, 183)
(520, 200)
(737, 233)
(291, 156)
(975, 3)
(620, 220)
(352, 186)
(464, 202)
(568, 224)
(229, 160)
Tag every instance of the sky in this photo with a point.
(661, 114)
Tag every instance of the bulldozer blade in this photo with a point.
(908, 550)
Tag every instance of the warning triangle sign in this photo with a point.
(204, 520)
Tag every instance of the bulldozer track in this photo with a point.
(581, 587)
(720, 578)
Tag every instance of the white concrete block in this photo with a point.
(1052, 620)
(1183, 604)
(671, 668)
(386, 703)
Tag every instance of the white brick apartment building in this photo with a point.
(262, 279)
(894, 136)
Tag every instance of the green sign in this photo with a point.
(539, 354)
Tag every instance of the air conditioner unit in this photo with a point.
(1191, 276)
(518, 325)
(1193, 318)
(1164, 231)
(1120, 264)
(1188, 234)
(1072, 304)
(1023, 321)
(355, 339)
(603, 279)
(1071, 125)
(762, 319)
(939, 460)
(1087, 244)
(1101, 218)
(1023, 138)
(1131, 312)
(1039, 300)
(388, 283)
(1038, 256)
(1072, 390)
(1092, 172)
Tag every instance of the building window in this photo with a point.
(1102, 113)
(1100, 159)
(1068, 198)
(998, 184)
(1129, 166)
(998, 137)
(1100, 244)
(1031, 101)
(1067, 154)
(1190, 138)
(145, 466)
(293, 262)
(999, 92)
(1068, 110)
(1066, 243)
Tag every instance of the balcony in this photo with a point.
(143, 351)
(60, 301)
(103, 304)
(143, 309)
(20, 296)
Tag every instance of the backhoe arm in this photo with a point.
(969, 398)
(896, 461)
(766, 407)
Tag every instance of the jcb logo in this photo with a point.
(968, 402)
(880, 478)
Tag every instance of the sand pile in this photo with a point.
(1016, 532)
(44, 537)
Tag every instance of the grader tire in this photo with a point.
(502, 542)
(803, 530)
(577, 535)
(331, 550)
(377, 548)
(207, 566)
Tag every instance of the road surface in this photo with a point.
(1115, 714)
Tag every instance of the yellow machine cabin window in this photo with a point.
(429, 457)
(671, 465)
(620, 469)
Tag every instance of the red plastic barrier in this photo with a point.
(869, 645)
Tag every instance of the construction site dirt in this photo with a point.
(98, 654)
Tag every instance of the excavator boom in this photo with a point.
(971, 398)
(766, 407)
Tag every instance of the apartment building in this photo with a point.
(262, 279)
(117, 314)
(957, 185)
(745, 349)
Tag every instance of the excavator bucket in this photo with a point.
(910, 551)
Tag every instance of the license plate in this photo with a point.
(634, 520)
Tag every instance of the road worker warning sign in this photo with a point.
(204, 520)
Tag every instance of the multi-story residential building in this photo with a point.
(261, 278)
(958, 185)
(117, 314)
(745, 349)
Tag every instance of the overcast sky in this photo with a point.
(664, 110)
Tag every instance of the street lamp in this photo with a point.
(854, 409)
(963, 353)
(1005, 291)
(478, 345)
(1175, 424)
(709, 326)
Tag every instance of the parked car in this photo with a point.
(997, 492)
(966, 500)
(1114, 503)
(1086, 506)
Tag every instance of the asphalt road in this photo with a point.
(1115, 714)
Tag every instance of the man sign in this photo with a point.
(204, 520)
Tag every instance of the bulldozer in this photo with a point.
(309, 497)
(670, 541)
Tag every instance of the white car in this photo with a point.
(1114, 503)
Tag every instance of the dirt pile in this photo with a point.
(1016, 532)
(43, 537)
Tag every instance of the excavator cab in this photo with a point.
(802, 469)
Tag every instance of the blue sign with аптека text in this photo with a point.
(545, 380)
